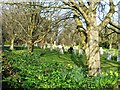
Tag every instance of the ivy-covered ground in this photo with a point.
(49, 69)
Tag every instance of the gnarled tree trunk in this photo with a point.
(92, 52)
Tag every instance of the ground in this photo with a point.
(49, 69)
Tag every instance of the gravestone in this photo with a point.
(66, 48)
(61, 49)
(118, 56)
(108, 55)
(74, 50)
(25, 44)
(48, 46)
(101, 51)
(44, 47)
(36, 44)
(51, 47)
(80, 51)
(54, 46)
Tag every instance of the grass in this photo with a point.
(47, 56)
(29, 67)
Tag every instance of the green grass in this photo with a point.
(36, 69)
(47, 56)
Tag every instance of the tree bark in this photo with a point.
(92, 52)
(12, 44)
(30, 47)
(110, 46)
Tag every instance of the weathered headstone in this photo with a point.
(54, 42)
(108, 55)
(36, 44)
(74, 50)
(25, 44)
(66, 48)
(48, 46)
(61, 49)
(41, 46)
(80, 51)
(118, 56)
(51, 48)
(44, 47)
(101, 51)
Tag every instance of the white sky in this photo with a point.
(98, 21)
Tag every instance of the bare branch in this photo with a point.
(75, 6)
(39, 40)
(78, 22)
(114, 25)
(81, 3)
(114, 30)
(107, 19)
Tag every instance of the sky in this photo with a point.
(98, 21)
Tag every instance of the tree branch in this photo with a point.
(107, 19)
(75, 6)
(114, 25)
(81, 3)
(114, 29)
(78, 22)
(39, 40)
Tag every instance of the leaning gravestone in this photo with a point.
(101, 51)
(108, 55)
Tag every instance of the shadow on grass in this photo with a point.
(79, 60)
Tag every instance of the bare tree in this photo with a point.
(91, 31)
(31, 21)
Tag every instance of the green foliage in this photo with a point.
(22, 70)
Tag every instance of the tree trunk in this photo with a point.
(30, 47)
(12, 44)
(110, 46)
(92, 52)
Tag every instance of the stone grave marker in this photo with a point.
(61, 49)
(80, 51)
(118, 56)
(36, 44)
(74, 50)
(108, 55)
(101, 51)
